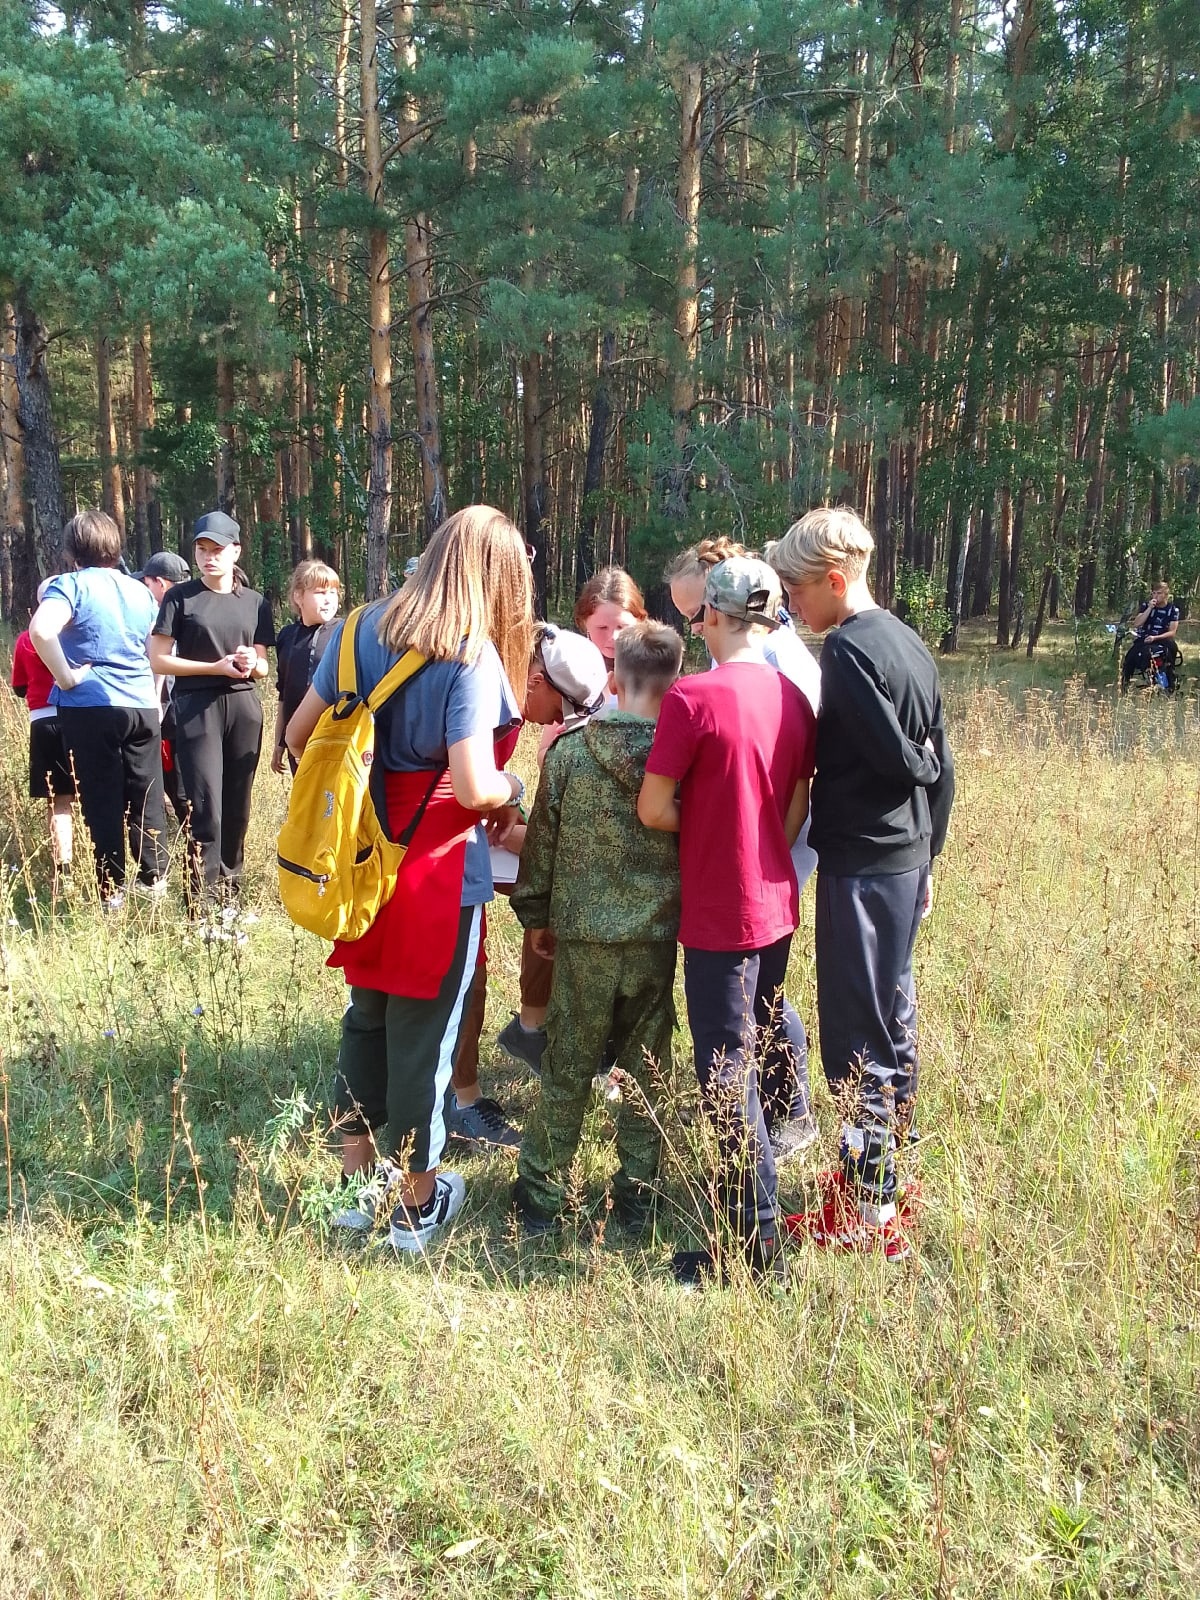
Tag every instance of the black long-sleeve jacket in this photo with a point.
(884, 784)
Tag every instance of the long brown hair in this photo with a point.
(472, 584)
(610, 586)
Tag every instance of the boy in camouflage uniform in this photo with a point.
(600, 893)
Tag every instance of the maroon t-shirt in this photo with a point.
(737, 741)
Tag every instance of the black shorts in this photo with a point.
(49, 766)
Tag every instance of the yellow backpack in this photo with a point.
(337, 864)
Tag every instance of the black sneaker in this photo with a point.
(633, 1207)
(791, 1139)
(535, 1224)
(523, 1044)
(700, 1269)
(483, 1123)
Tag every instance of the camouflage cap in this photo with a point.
(745, 588)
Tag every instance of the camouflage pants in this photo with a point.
(602, 992)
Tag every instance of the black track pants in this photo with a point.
(218, 738)
(116, 754)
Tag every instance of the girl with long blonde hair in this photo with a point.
(468, 609)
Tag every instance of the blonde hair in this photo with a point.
(648, 656)
(829, 537)
(699, 559)
(610, 586)
(472, 585)
(309, 576)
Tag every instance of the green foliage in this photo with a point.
(920, 601)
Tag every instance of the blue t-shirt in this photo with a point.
(446, 702)
(111, 617)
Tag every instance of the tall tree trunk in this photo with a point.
(687, 319)
(962, 484)
(981, 599)
(341, 271)
(147, 517)
(533, 438)
(16, 590)
(379, 289)
(593, 474)
(226, 474)
(593, 477)
(418, 267)
(40, 438)
(534, 453)
(112, 495)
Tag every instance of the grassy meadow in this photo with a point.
(202, 1395)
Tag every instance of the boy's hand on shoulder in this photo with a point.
(542, 942)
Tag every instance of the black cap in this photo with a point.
(165, 564)
(215, 525)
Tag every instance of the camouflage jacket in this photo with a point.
(589, 869)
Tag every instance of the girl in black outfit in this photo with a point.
(314, 594)
(212, 636)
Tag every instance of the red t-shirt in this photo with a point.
(30, 672)
(737, 741)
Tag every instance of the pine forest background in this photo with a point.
(633, 273)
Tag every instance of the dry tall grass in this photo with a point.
(199, 1396)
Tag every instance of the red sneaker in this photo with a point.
(838, 1224)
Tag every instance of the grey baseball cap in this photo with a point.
(165, 564)
(745, 588)
(218, 527)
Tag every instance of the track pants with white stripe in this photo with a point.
(396, 1057)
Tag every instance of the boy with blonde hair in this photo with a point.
(881, 803)
(600, 895)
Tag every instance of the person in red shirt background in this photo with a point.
(739, 744)
(50, 775)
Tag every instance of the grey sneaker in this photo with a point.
(482, 1123)
(791, 1139)
(523, 1044)
(413, 1229)
(374, 1198)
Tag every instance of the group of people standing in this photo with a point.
(605, 891)
(141, 689)
(670, 810)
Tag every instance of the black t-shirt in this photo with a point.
(298, 653)
(207, 626)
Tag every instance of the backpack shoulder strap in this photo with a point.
(347, 677)
(409, 664)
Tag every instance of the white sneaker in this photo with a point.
(115, 901)
(372, 1200)
(412, 1230)
(150, 891)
